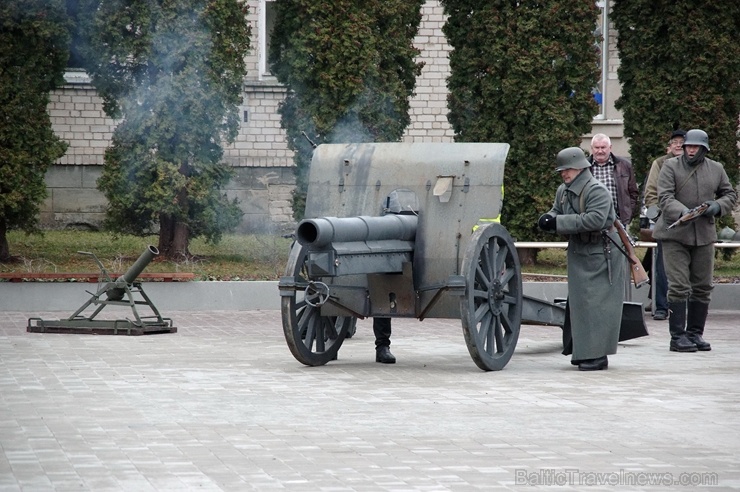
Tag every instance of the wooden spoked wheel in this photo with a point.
(313, 339)
(491, 309)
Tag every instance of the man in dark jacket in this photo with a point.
(583, 211)
(684, 183)
(617, 175)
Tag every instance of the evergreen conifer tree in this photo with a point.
(172, 71)
(679, 68)
(349, 68)
(523, 73)
(34, 46)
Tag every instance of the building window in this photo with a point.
(75, 73)
(75, 56)
(601, 34)
(266, 23)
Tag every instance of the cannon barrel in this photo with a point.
(326, 230)
(117, 290)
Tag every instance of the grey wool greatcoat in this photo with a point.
(682, 186)
(594, 302)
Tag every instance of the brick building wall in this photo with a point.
(77, 117)
(428, 108)
(260, 155)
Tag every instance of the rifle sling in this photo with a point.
(685, 180)
(621, 248)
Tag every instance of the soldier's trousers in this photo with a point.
(382, 331)
(690, 270)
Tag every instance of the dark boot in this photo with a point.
(594, 364)
(382, 331)
(383, 355)
(677, 327)
(695, 321)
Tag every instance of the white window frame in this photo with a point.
(264, 72)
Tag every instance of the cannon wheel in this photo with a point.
(312, 339)
(491, 309)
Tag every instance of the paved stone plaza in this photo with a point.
(222, 405)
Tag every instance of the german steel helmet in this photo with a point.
(697, 137)
(571, 158)
(728, 234)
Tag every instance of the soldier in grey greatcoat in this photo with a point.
(684, 183)
(584, 212)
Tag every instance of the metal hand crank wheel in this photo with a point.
(491, 309)
(313, 339)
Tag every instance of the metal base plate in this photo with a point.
(99, 327)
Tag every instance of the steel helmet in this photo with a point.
(571, 158)
(697, 137)
(728, 234)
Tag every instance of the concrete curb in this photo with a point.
(245, 296)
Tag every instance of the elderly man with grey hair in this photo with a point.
(617, 175)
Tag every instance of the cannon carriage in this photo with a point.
(406, 230)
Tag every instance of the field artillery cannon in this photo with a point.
(390, 231)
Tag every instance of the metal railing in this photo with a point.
(638, 244)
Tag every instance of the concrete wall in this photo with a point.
(243, 296)
(73, 199)
(75, 202)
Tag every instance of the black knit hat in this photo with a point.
(678, 133)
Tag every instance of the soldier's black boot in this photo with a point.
(382, 331)
(695, 321)
(383, 354)
(677, 326)
(594, 364)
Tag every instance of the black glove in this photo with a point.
(547, 223)
(713, 209)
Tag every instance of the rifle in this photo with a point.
(639, 275)
(690, 215)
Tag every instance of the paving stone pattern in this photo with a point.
(222, 405)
